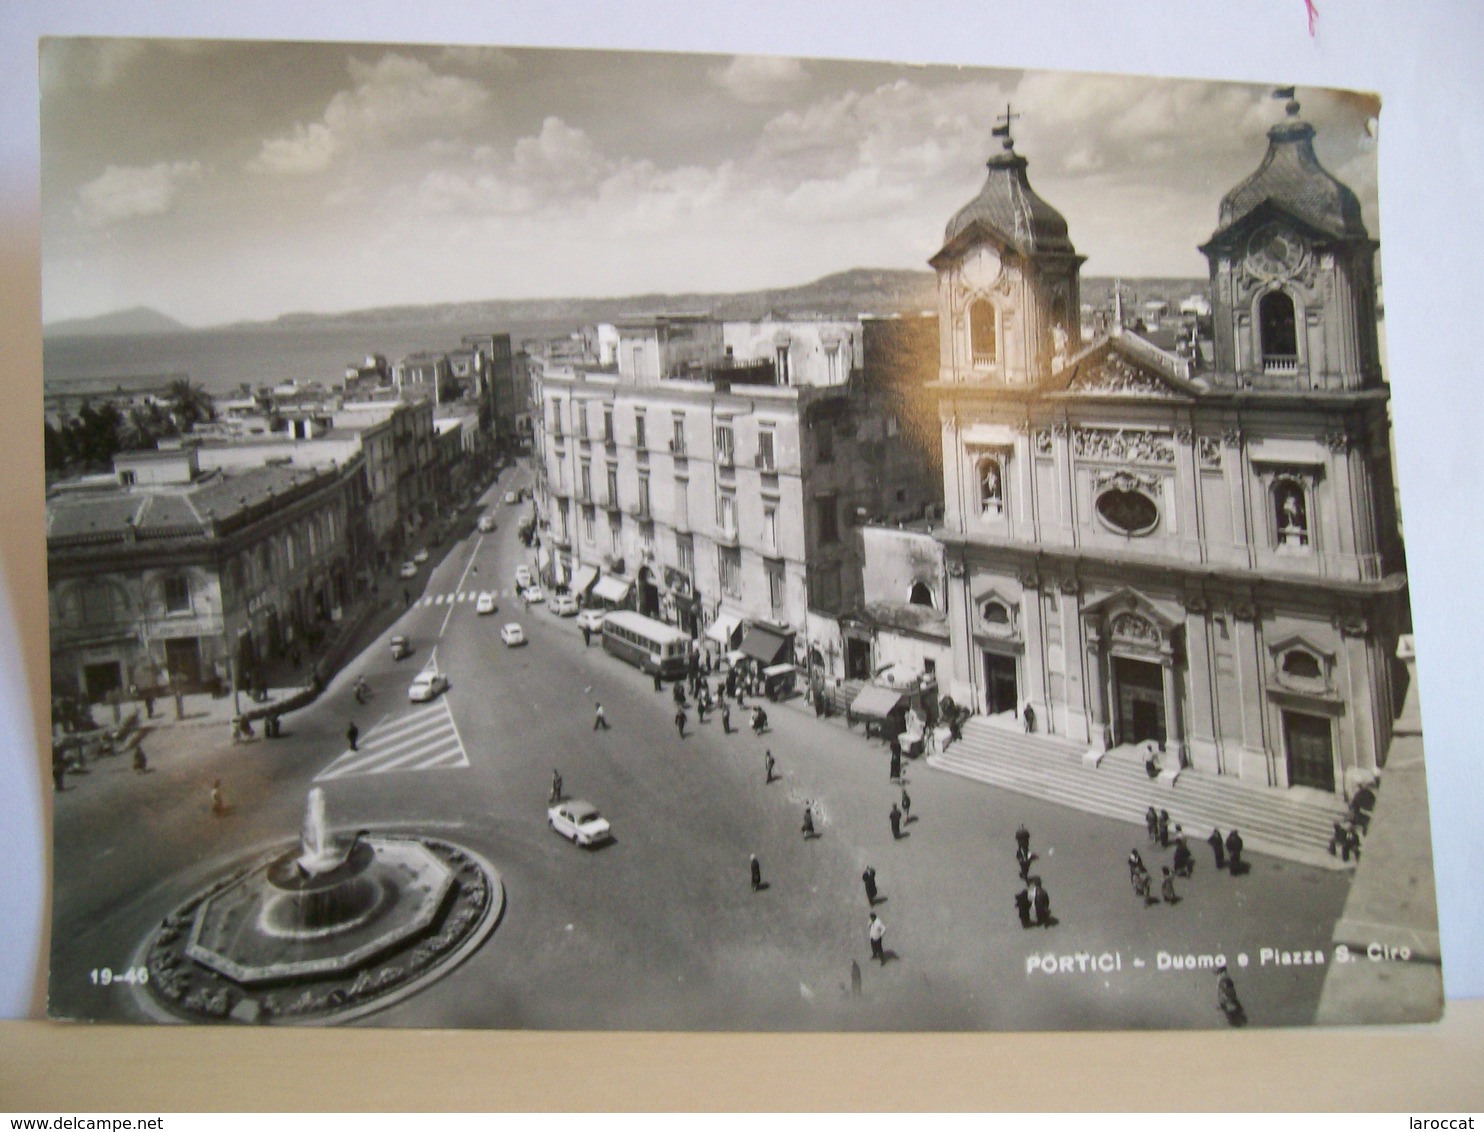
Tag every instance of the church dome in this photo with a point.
(1008, 205)
(1291, 177)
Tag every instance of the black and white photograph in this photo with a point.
(551, 539)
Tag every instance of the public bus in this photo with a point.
(646, 643)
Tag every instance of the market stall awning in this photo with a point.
(721, 629)
(768, 646)
(583, 579)
(875, 703)
(611, 589)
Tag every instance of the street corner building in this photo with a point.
(1192, 549)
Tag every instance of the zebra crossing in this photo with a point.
(425, 739)
(458, 597)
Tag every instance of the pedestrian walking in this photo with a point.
(868, 878)
(1167, 887)
(896, 764)
(1164, 829)
(1023, 838)
(587, 640)
(680, 721)
(141, 764)
(1218, 848)
(1151, 823)
(757, 872)
(701, 706)
(1023, 858)
(406, 598)
(556, 786)
(149, 704)
(218, 803)
(1226, 998)
(906, 805)
(726, 718)
(1023, 908)
(678, 693)
(896, 822)
(352, 733)
(768, 765)
(600, 718)
(855, 979)
(59, 770)
(1041, 902)
(1143, 886)
(876, 933)
(1234, 853)
(659, 685)
(809, 832)
(1135, 863)
(1184, 860)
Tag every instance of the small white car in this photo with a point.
(523, 577)
(579, 822)
(486, 603)
(421, 556)
(486, 524)
(533, 594)
(591, 619)
(512, 634)
(563, 605)
(427, 686)
(409, 570)
(511, 497)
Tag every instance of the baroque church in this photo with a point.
(1138, 549)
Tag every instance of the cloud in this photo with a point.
(759, 78)
(394, 100)
(122, 192)
(94, 64)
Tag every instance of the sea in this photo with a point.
(223, 359)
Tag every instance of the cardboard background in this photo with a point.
(1422, 58)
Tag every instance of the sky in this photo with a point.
(217, 181)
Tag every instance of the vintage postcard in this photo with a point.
(590, 540)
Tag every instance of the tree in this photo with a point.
(189, 404)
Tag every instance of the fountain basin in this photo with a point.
(256, 932)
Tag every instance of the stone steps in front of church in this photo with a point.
(1053, 769)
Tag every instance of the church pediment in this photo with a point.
(1126, 607)
(1126, 366)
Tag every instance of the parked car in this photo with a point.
(421, 556)
(579, 822)
(486, 603)
(409, 570)
(401, 647)
(428, 685)
(512, 634)
(591, 619)
(523, 577)
(563, 605)
(486, 523)
(533, 594)
(511, 497)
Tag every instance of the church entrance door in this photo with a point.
(1311, 758)
(1000, 691)
(1139, 699)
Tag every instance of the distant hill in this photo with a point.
(846, 293)
(135, 320)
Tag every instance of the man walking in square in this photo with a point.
(600, 718)
(768, 765)
(352, 734)
(757, 872)
(896, 822)
(680, 722)
(876, 933)
(868, 878)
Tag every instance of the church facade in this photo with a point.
(1139, 550)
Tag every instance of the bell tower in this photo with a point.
(1292, 274)
(1009, 303)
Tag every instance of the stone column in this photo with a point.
(1174, 727)
(1099, 728)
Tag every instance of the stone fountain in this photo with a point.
(332, 926)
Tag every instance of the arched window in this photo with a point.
(1302, 665)
(991, 485)
(1279, 333)
(982, 336)
(920, 594)
(1291, 513)
(995, 613)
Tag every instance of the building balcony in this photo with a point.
(1280, 363)
(677, 448)
(765, 463)
(726, 536)
(726, 460)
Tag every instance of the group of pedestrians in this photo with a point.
(1226, 854)
(1033, 901)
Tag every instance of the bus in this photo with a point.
(646, 643)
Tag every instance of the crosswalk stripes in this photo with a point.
(425, 739)
(461, 596)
